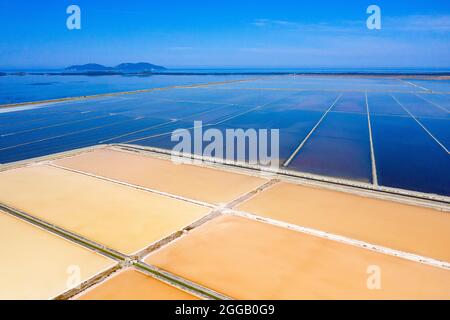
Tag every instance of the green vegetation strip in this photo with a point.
(180, 282)
(65, 234)
(184, 284)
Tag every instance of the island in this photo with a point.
(123, 68)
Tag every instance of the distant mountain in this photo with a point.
(2, 74)
(141, 67)
(138, 67)
(88, 67)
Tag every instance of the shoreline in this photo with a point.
(445, 75)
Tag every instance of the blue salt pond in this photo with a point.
(410, 126)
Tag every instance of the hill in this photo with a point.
(141, 67)
(138, 67)
(88, 67)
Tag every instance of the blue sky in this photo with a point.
(231, 33)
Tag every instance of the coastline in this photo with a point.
(429, 75)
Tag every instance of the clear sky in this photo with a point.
(226, 33)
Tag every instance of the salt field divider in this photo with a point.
(164, 124)
(70, 134)
(433, 103)
(345, 240)
(297, 150)
(110, 253)
(208, 125)
(54, 125)
(179, 282)
(273, 179)
(124, 260)
(417, 86)
(161, 193)
(434, 201)
(423, 127)
(372, 151)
